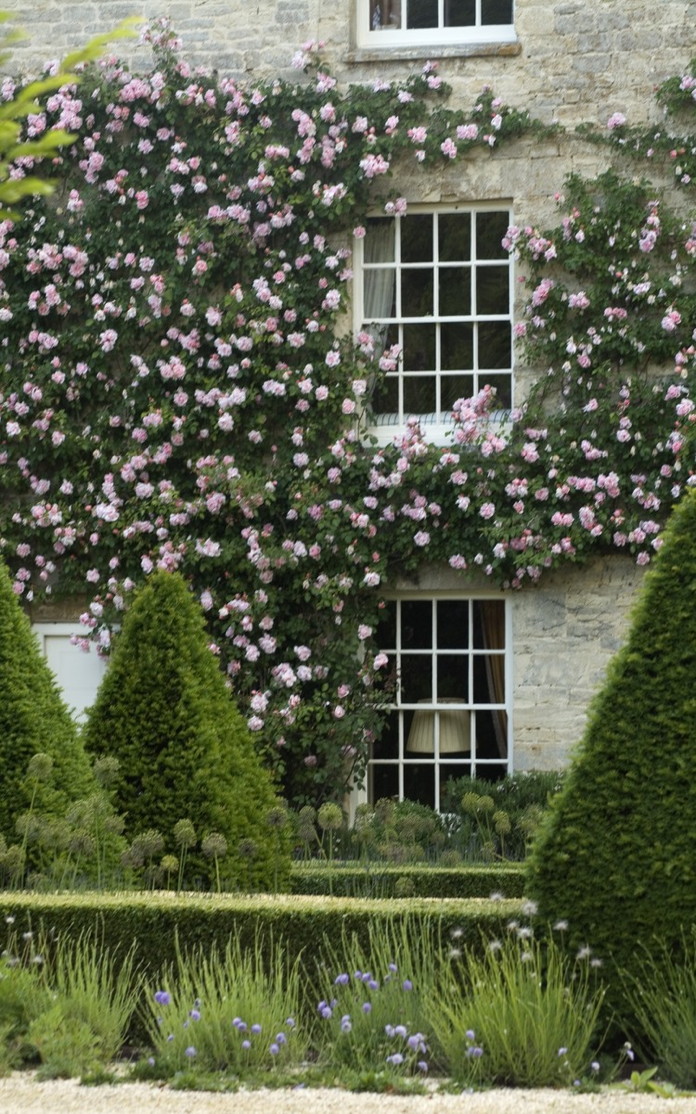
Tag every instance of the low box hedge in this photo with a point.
(385, 880)
(151, 922)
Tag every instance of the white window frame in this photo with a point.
(386, 38)
(472, 765)
(434, 428)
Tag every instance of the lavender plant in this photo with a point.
(519, 1013)
(372, 1015)
(233, 1011)
(662, 1000)
(93, 997)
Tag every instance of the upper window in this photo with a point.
(383, 23)
(451, 717)
(439, 286)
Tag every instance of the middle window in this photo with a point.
(438, 285)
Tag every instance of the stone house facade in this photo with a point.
(567, 61)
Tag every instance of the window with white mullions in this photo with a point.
(438, 285)
(451, 717)
(423, 21)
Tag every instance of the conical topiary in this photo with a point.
(34, 720)
(616, 857)
(164, 711)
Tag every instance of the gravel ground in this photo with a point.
(20, 1093)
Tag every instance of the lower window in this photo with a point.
(451, 716)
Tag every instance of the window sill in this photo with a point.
(402, 53)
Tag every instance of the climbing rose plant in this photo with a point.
(178, 388)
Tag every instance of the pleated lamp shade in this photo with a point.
(455, 727)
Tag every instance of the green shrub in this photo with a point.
(497, 819)
(395, 831)
(661, 993)
(155, 921)
(615, 857)
(233, 1009)
(378, 879)
(519, 1014)
(163, 710)
(372, 1011)
(34, 720)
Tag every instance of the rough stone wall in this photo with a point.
(564, 631)
(575, 59)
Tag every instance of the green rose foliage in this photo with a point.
(180, 391)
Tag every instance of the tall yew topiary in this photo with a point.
(616, 856)
(185, 753)
(34, 719)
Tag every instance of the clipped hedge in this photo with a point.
(34, 719)
(185, 753)
(615, 856)
(151, 922)
(382, 880)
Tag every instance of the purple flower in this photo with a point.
(163, 997)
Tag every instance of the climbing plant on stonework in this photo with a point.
(615, 857)
(178, 389)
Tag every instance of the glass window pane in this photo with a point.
(494, 344)
(419, 732)
(454, 237)
(453, 677)
(385, 396)
(390, 14)
(489, 679)
(492, 290)
(415, 679)
(496, 11)
(417, 239)
(491, 735)
(386, 627)
(387, 746)
(379, 242)
(418, 347)
(417, 293)
(490, 231)
(456, 346)
(416, 625)
(379, 291)
(454, 387)
(421, 13)
(489, 624)
(384, 781)
(454, 289)
(420, 394)
(502, 386)
(451, 771)
(419, 783)
(460, 13)
(452, 624)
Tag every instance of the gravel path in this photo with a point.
(20, 1093)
